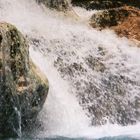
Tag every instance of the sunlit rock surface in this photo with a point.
(23, 89)
(108, 18)
(125, 21)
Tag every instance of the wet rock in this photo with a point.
(23, 89)
(105, 4)
(130, 27)
(125, 21)
(108, 18)
(97, 4)
(95, 64)
(60, 5)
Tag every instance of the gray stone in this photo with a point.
(23, 89)
(60, 5)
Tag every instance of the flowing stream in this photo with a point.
(94, 76)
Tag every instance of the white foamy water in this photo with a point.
(62, 116)
(83, 13)
(56, 42)
(61, 108)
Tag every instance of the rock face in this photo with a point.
(125, 21)
(105, 4)
(60, 5)
(108, 18)
(22, 88)
(130, 27)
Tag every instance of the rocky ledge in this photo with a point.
(125, 21)
(23, 89)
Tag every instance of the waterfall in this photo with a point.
(94, 75)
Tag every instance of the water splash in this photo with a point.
(95, 69)
(65, 107)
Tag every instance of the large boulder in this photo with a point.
(23, 89)
(124, 20)
(108, 18)
(130, 27)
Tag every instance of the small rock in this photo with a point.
(60, 5)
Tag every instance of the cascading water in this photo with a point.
(94, 75)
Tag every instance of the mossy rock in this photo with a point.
(22, 88)
(60, 5)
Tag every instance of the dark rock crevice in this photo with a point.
(105, 4)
